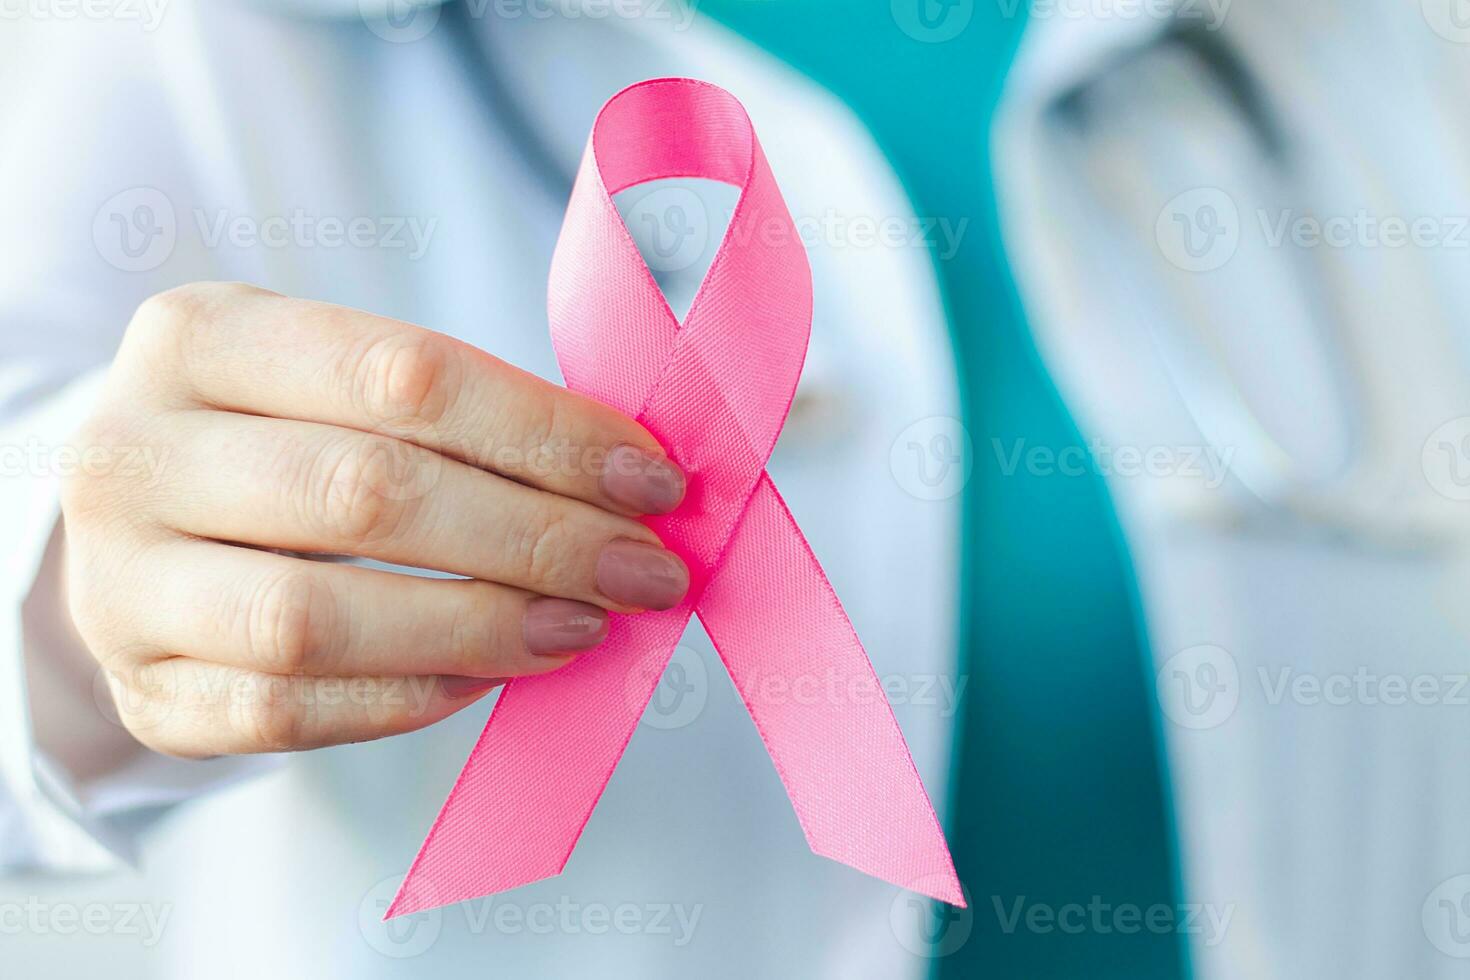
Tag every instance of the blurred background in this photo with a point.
(1183, 334)
(1060, 794)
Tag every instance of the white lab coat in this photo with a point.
(279, 866)
(1328, 816)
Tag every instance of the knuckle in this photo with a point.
(361, 494)
(539, 550)
(172, 311)
(160, 742)
(85, 609)
(81, 495)
(542, 427)
(547, 557)
(171, 329)
(142, 699)
(104, 575)
(476, 631)
(130, 700)
(409, 380)
(282, 621)
(538, 432)
(179, 311)
(114, 459)
(168, 739)
(267, 715)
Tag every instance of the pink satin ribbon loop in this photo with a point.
(715, 390)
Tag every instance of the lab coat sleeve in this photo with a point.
(77, 788)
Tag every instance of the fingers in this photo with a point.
(316, 488)
(278, 615)
(196, 709)
(250, 350)
(311, 428)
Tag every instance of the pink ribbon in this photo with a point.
(715, 391)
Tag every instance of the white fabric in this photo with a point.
(1336, 547)
(228, 110)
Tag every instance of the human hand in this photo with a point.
(283, 425)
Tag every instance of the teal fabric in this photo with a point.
(1061, 792)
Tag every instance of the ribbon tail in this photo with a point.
(533, 778)
(843, 760)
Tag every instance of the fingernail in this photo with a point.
(642, 482)
(456, 687)
(562, 626)
(641, 575)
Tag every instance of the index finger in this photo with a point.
(250, 350)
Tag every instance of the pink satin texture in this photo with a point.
(715, 391)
